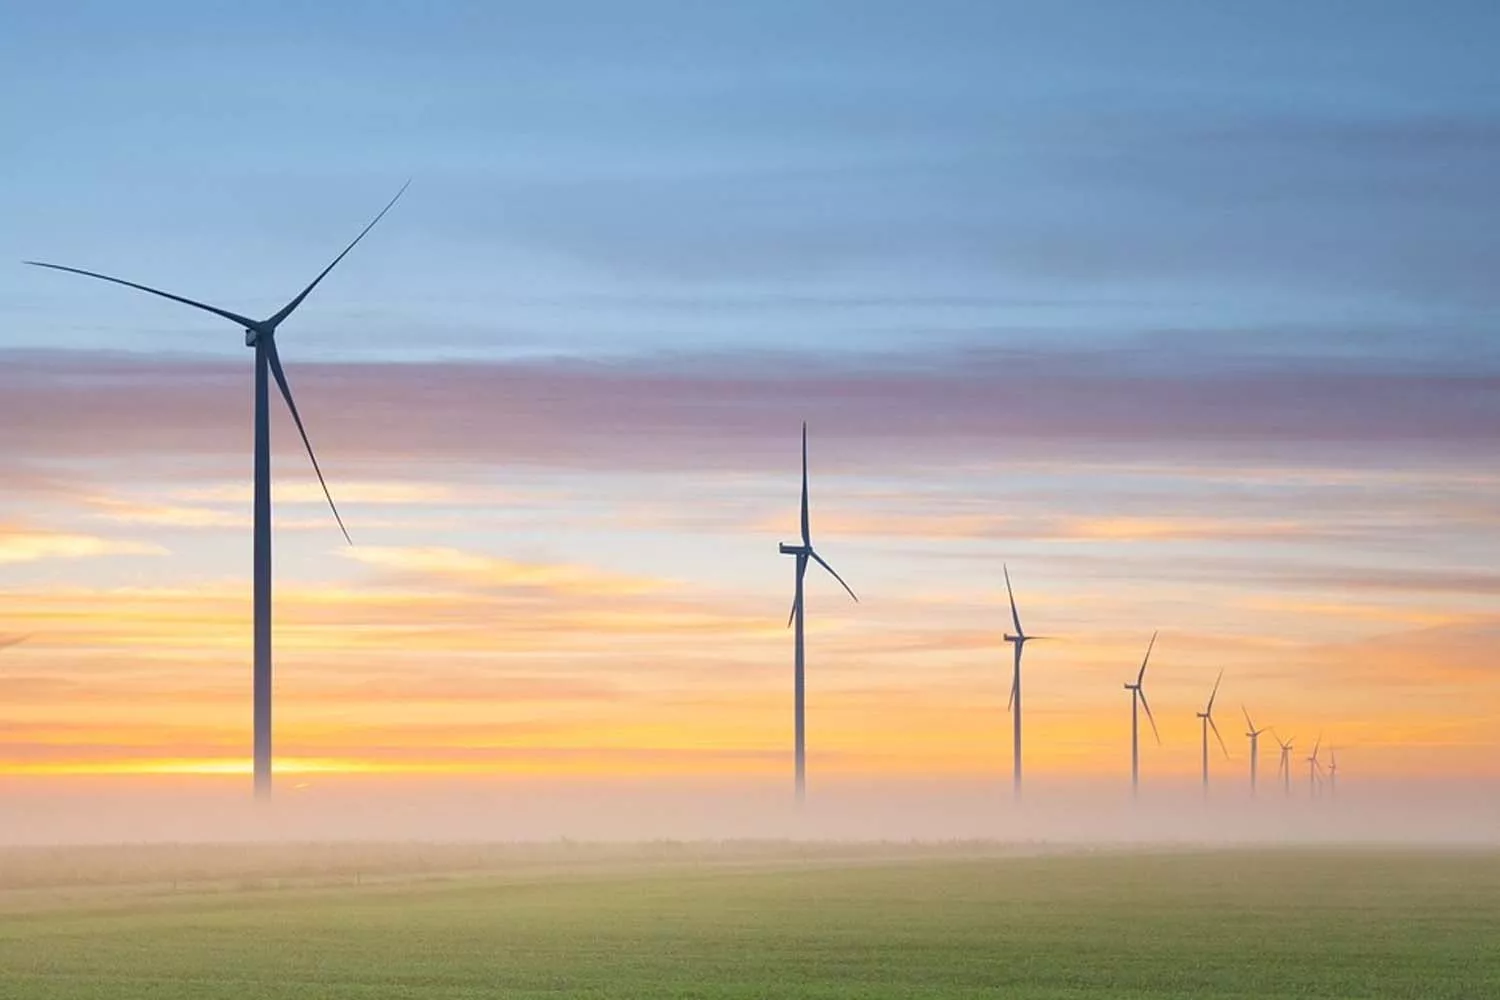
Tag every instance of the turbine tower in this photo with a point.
(1137, 702)
(1018, 641)
(261, 335)
(1207, 715)
(804, 553)
(1284, 768)
(1254, 735)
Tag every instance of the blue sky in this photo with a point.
(591, 178)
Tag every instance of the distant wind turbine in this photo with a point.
(1137, 702)
(1312, 769)
(1284, 768)
(1254, 735)
(1018, 641)
(1207, 715)
(261, 335)
(804, 553)
(1333, 773)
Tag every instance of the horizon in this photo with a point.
(1194, 335)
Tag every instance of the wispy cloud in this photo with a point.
(730, 412)
(478, 570)
(22, 545)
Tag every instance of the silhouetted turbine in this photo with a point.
(1284, 767)
(261, 335)
(1254, 735)
(1312, 769)
(804, 552)
(1018, 641)
(1137, 702)
(1207, 715)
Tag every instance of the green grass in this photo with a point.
(1337, 924)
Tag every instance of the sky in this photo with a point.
(1184, 312)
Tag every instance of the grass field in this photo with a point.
(738, 922)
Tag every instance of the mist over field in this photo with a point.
(368, 809)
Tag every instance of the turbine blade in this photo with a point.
(286, 393)
(1149, 717)
(1218, 737)
(793, 616)
(806, 526)
(13, 640)
(1141, 677)
(287, 309)
(232, 317)
(1248, 723)
(1210, 709)
(1015, 616)
(1011, 704)
(824, 564)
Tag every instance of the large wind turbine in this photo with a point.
(1333, 773)
(1018, 641)
(1137, 702)
(261, 335)
(1284, 768)
(804, 553)
(1254, 735)
(1207, 715)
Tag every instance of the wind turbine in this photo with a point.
(804, 554)
(1312, 770)
(1333, 773)
(261, 335)
(1207, 715)
(1018, 641)
(1284, 768)
(1137, 702)
(1254, 735)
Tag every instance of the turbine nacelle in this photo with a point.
(795, 550)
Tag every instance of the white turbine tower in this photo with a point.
(260, 334)
(1137, 702)
(804, 553)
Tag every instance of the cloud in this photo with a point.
(1056, 528)
(738, 412)
(348, 492)
(164, 515)
(20, 545)
(475, 569)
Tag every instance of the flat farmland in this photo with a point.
(748, 921)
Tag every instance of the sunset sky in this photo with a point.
(1187, 315)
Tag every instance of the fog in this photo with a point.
(44, 812)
